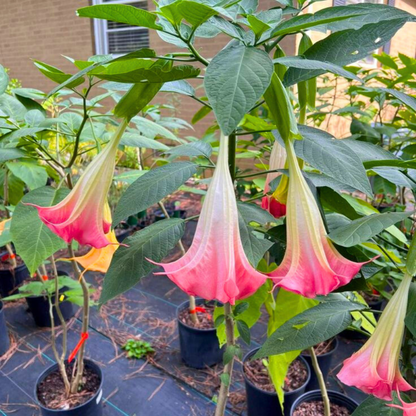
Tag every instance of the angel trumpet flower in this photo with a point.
(409, 409)
(80, 216)
(311, 265)
(215, 266)
(374, 369)
(99, 259)
(277, 161)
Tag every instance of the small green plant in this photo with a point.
(137, 349)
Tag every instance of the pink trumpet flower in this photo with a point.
(277, 161)
(215, 266)
(374, 369)
(409, 409)
(80, 216)
(311, 265)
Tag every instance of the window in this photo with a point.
(119, 38)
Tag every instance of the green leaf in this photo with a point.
(135, 99)
(57, 75)
(180, 86)
(12, 107)
(10, 154)
(33, 240)
(122, 14)
(152, 187)
(200, 114)
(235, 79)
(33, 175)
(129, 176)
(254, 213)
(129, 264)
(299, 62)
(257, 26)
(345, 47)
(332, 157)
(193, 149)
(240, 308)
(404, 98)
(244, 331)
(368, 151)
(4, 80)
(374, 406)
(195, 13)
(15, 186)
(5, 236)
(34, 118)
(229, 28)
(309, 328)
(153, 74)
(137, 140)
(362, 229)
(411, 322)
(28, 131)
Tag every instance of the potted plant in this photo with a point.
(262, 399)
(311, 403)
(199, 346)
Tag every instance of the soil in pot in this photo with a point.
(5, 265)
(51, 391)
(322, 348)
(316, 408)
(204, 314)
(257, 373)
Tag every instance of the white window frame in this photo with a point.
(101, 28)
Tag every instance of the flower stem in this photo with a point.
(321, 381)
(228, 369)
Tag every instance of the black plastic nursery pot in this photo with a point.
(4, 333)
(92, 407)
(265, 403)
(334, 397)
(11, 279)
(39, 308)
(199, 347)
(324, 361)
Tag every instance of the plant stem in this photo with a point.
(321, 381)
(228, 369)
(192, 305)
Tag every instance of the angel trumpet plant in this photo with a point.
(374, 369)
(271, 203)
(80, 216)
(215, 266)
(311, 265)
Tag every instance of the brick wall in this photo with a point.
(42, 30)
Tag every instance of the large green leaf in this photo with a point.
(309, 328)
(12, 107)
(10, 154)
(404, 98)
(193, 149)
(153, 74)
(345, 47)
(254, 213)
(180, 86)
(121, 13)
(32, 174)
(362, 229)
(235, 79)
(368, 151)
(298, 62)
(33, 240)
(135, 99)
(332, 157)
(195, 13)
(137, 140)
(377, 407)
(129, 263)
(152, 187)
(4, 80)
(57, 75)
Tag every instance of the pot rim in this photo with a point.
(184, 305)
(48, 370)
(327, 353)
(289, 393)
(300, 400)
